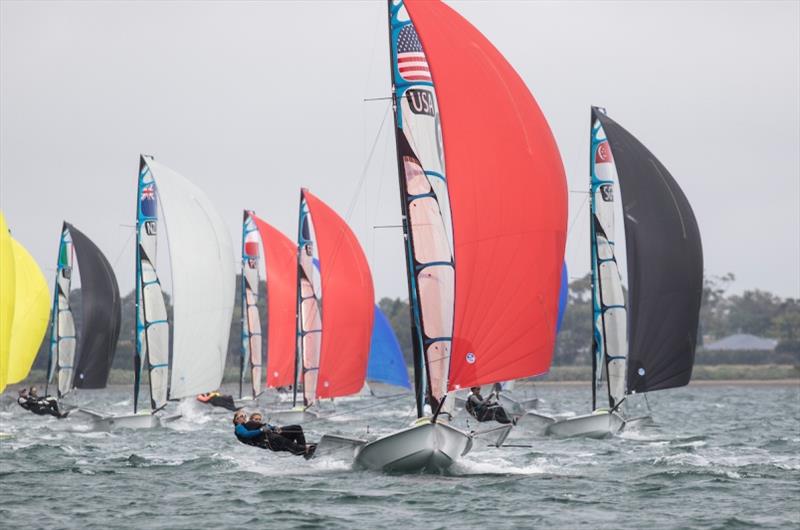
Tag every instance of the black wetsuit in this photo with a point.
(226, 402)
(485, 410)
(290, 438)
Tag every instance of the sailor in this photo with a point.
(24, 400)
(255, 432)
(217, 399)
(486, 409)
(43, 405)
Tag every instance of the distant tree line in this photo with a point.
(755, 312)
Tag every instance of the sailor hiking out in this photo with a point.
(255, 432)
(31, 401)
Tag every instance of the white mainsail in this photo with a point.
(63, 338)
(310, 317)
(203, 283)
(609, 312)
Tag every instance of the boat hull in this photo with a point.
(595, 425)
(132, 421)
(426, 446)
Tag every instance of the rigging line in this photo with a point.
(363, 177)
(577, 215)
(390, 398)
(124, 246)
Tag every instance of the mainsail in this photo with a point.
(31, 311)
(504, 190)
(152, 327)
(665, 266)
(203, 283)
(347, 303)
(609, 345)
(309, 319)
(280, 256)
(251, 322)
(63, 338)
(7, 298)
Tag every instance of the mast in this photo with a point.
(415, 109)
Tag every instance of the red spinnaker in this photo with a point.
(280, 257)
(508, 199)
(347, 303)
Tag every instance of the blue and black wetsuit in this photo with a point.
(486, 410)
(290, 438)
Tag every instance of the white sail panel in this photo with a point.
(66, 346)
(203, 278)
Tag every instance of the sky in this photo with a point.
(252, 100)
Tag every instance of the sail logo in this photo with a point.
(150, 228)
(421, 102)
(147, 201)
(471, 358)
(603, 154)
(607, 192)
(66, 272)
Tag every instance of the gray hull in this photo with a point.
(133, 421)
(596, 425)
(423, 447)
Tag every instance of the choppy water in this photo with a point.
(718, 457)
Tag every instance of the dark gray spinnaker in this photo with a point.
(101, 314)
(665, 266)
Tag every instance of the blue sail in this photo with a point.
(386, 363)
(562, 296)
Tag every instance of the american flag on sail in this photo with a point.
(410, 57)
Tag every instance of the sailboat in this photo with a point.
(334, 306)
(82, 359)
(23, 309)
(192, 359)
(483, 201)
(650, 343)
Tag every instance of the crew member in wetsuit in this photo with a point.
(218, 400)
(23, 400)
(43, 405)
(486, 409)
(255, 432)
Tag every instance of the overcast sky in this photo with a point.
(252, 100)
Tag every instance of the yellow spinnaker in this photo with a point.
(7, 287)
(31, 314)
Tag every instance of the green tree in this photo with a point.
(752, 312)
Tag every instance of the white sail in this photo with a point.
(610, 315)
(63, 338)
(203, 278)
(310, 320)
(251, 320)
